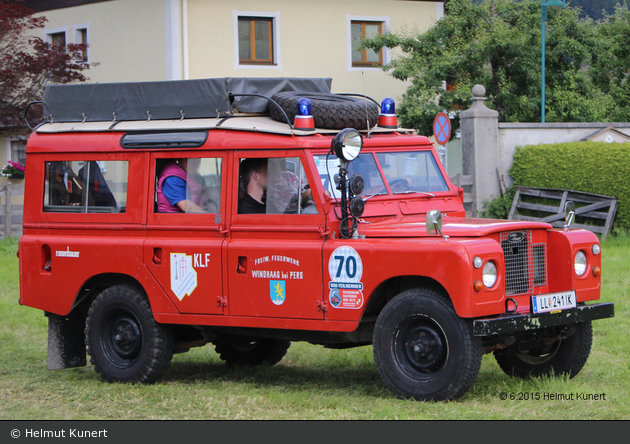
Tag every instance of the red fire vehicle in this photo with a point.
(292, 228)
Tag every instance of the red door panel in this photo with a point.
(275, 278)
(188, 269)
(184, 251)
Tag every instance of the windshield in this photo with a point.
(365, 165)
(412, 171)
(405, 172)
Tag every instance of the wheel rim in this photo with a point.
(122, 339)
(420, 348)
(540, 355)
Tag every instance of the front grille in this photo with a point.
(540, 264)
(525, 263)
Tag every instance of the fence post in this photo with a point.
(480, 158)
(7, 211)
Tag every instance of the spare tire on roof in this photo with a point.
(331, 111)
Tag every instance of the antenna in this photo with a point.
(367, 117)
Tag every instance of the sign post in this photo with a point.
(442, 133)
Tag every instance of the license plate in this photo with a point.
(545, 303)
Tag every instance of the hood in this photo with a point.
(451, 226)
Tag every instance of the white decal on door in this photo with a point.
(183, 275)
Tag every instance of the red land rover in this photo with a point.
(164, 216)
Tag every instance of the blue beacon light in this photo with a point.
(304, 107)
(304, 117)
(387, 117)
(388, 106)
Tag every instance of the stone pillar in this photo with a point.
(480, 153)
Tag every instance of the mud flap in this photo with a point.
(66, 341)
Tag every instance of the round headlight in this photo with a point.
(596, 249)
(580, 263)
(347, 144)
(489, 274)
(477, 262)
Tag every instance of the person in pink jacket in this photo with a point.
(178, 191)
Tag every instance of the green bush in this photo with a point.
(499, 208)
(592, 167)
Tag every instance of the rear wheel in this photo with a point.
(564, 357)
(244, 350)
(124, 341)
(423, 350)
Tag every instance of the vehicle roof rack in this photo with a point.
(249, 123)
(181, 105)
(169, 100)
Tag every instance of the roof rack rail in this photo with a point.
(26, 113)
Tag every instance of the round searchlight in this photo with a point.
(347, 144)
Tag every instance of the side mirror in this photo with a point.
(434, 223)
(569, 214)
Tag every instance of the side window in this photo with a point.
(189, 185)
(86, 187)
(274, 186)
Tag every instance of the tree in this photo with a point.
(27, 63)
(589, 8)
(610, 67)
(496, 43)
(595, 8)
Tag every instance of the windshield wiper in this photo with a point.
(372, 195)
(419, 192)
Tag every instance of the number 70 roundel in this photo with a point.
(345, 268)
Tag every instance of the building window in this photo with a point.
(18, 151)
(365, 57)
(81, 38)
(255, 40)
(58, 40)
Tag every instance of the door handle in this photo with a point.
(157, 256)
(242, 265)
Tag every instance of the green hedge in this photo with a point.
(592, 167)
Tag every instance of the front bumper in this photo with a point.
(514, 323)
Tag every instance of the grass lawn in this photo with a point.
(309, 383)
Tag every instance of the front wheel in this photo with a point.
(564, 357)
(423, 350)
(124, 341)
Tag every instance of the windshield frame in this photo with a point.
(373, 151)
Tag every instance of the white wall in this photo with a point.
(512, 135)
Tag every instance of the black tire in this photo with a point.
(423, 350)
(246, 351)
(565, 357)
(330, 111)
(124, 341)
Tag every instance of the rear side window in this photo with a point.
(86, 186)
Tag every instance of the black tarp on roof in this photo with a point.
(201, 98)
